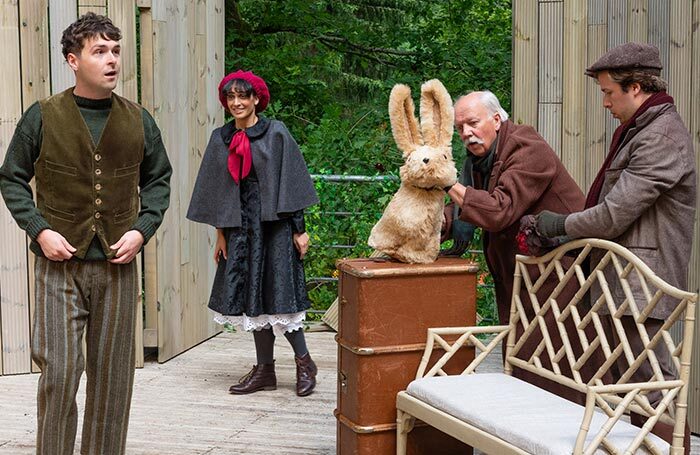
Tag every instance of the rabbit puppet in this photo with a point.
(409, 229)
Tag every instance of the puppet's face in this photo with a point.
(428, 167)
(241, 106)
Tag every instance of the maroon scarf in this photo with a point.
(239, 157)
(654, 100)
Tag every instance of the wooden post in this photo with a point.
(14, 286)
(62, 13)
(573, 152)
(34, 39)
(596, 146)
(637, 24)
(96, 6)
(525, 68)
(150, 266)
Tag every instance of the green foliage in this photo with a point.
(339, 227)
(330, 65)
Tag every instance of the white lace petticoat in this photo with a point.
(280, 323)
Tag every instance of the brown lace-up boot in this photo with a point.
(261, 377)
(306, 375)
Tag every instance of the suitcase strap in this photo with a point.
(379, 349)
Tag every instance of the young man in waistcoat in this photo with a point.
(102, 187)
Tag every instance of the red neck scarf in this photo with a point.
(240, 159)
(654, 100)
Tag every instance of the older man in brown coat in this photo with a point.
(510, 172)
(644, 195)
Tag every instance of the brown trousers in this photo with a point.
(71, 295)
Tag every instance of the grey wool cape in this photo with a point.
(285, 184)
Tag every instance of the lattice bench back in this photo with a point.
(590, 310)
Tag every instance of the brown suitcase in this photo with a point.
(385, 310)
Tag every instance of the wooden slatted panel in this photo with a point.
(617, 34)
(597, 13)
(525, 67)
(550, 74)
(549, 122)
(550, 52)
(201, 263)
(637, 23)
(34, 39)
(62, 13)
(189, 232)
(680, 55)
(215, 61)
(168, 236)
(694, 268)
(184, 187)
(214, 71)
(96, 6)
(169, 66)
(14, 291)
(573, 151)
(658, 17)
(123, 15)
(214, 56)
(596, 147)
(149, 254)
(617, 22)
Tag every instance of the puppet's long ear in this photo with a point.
(436, 114)
(404, 124)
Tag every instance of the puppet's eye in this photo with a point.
(444, 156)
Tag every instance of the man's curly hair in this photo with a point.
(87, 26)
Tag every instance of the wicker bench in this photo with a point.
(500, 414)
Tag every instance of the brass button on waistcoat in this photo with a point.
(98, 187)
(98, 157)
(98, 201)
(98, 215)
(93, 228)
(98, 171)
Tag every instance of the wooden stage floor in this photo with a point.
(182, 406)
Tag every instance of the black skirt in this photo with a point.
(263, 274)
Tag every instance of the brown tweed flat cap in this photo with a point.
(628, 56)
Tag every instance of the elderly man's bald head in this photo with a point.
(478, 117)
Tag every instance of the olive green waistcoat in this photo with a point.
(85, 189)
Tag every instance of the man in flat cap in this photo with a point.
(644, 195)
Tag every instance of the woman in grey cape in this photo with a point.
(253, 186)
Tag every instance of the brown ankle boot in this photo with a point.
(261, 377)
(306, 375)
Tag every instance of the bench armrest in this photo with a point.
(467, 337)
(602, 396)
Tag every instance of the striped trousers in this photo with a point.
(71, 295)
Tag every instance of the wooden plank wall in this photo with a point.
(187, 43)
(187, 62)
(14, 308)
(557, 40)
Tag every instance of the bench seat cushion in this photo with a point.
(526, 416)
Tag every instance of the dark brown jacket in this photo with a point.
(527, 177)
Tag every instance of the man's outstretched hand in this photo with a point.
(550, 224)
